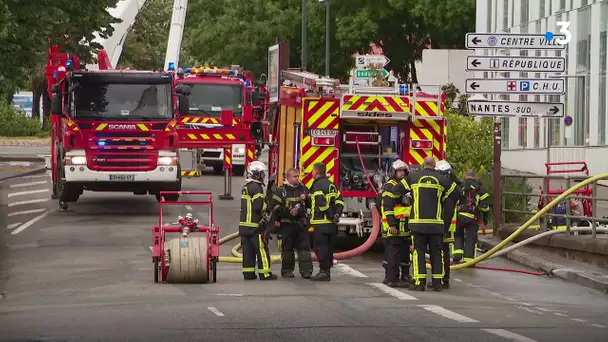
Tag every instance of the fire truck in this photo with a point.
(215, 90)
(112, 130)
(357, 132)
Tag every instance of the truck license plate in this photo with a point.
(122, 177)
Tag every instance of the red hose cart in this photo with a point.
(191, 256)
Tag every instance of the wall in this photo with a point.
(441, 66)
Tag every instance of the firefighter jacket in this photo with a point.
(253, 205)
(326, 202)
(473, 201)
(430, 189)
(449, 221)
(394, 209)
(287, 197)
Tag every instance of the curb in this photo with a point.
(23, 174)
(22, 159)
(579, 277)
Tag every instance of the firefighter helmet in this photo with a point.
(256, 171)
(443, 166)
(399, 165)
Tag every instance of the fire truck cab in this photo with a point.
(215, 90)
(357, 132)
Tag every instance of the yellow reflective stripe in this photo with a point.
(248, 217)
(248, 269)
(390, 194)
(458, 251)
(311, 229)
(320, 221)
(277, 198)
(405, 185)
(486, 209)
(389, 212)
(249, 224)
(484, 196)
(339, 202)
(246, 197)
(318, 193)
(467, 215)
(426, 221)
(258, 195)
(415, 269)
(265, 266)
(450, 190)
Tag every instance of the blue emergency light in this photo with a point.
(247, 83)
(101, 143)
(55, 74)
(187, 70)
(171, 66)
(403, 89)
(68, 64)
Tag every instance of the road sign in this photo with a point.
(532, 86)
(568, 121)
(513, 41)
(367, 73)
(515, 108)
(362, 61)
(516, 64)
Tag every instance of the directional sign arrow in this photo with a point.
(530, 86)
(476, 40)
(516, 64)
(365, 60)
(515, 108)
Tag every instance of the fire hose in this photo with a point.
(237, 258)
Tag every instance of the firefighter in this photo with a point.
(472, 209)
(292, 201)
(395, 212)
(253, 219)
(449, 223)
(429, 190)
(327, 206)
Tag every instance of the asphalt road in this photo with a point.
(86, 274)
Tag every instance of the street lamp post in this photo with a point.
(327, 33)
(304, 29)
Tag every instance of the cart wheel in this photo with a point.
(156, 270)
(214, 271)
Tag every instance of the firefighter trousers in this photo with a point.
(254, 246)
(324, 248)
(465, 240)
(446, 261)
(397, 257)
(434, 242)
(295, 236)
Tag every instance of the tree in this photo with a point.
(470, 143)
(146, 43)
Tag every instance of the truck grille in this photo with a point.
(125, 151)
(211, 154)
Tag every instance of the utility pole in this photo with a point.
(304, 31)
(497, 186)
(327, 35)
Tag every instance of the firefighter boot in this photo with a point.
(287, 275)
(250, 276)
(437, 285)
(445, 284)
(323, 275)
(457, 258)
(270, 276)
(385, 266)
(405, 274)
(419, 287)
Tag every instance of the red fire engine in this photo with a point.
(357, 132)
(215, 90)
(112, 130)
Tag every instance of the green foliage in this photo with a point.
(14, 123)
(146, 43)
(470, 143)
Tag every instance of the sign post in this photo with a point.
(513, 86)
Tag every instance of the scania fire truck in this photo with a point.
(215, 90)
(112, 130)
(357, 132)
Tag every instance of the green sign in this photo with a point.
(367, 73)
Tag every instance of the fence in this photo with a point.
(520, 202)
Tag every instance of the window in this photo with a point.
(525, 12)
(581, 84)
(554, 124)
(583, 3)
(209, 99)
(550, 7)
(513, 12)
(505, 13)
(490, 16)
(504, 133)
(562, 5)
(536, 132)
(541, 9)
(523, 132)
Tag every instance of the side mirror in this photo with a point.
(183, 107)
(56, 89)
(56, 103)
(256, 130)
(183, 90)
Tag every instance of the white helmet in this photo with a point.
(443, 166)
(399, 165)
(256, 171)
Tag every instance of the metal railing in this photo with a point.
(526, 202)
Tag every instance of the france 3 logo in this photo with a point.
(564, 28)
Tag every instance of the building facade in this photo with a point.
(530, 142)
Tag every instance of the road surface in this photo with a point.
(86, 274)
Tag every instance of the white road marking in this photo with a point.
(215, 311)
(598, 325)
(151, 249)
(349, 271)
(392, 292)
(188, 207)
(29, 223)
(47, 175)
(524, 303)
(230, 294)
(29, 202)
(543, 309)
(448, 314)
(25, 212)
(579, 320)
(509, 335)
(23, 185)
(458, 280)
(529, 310)
(30, 192)
(560, 314)
(13, 225)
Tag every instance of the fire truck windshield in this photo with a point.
(210, 99)
(106, 101)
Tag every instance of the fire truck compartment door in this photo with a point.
(187, 160)
(394, 108)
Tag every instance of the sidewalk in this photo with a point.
(25, 141)
(539, 258)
